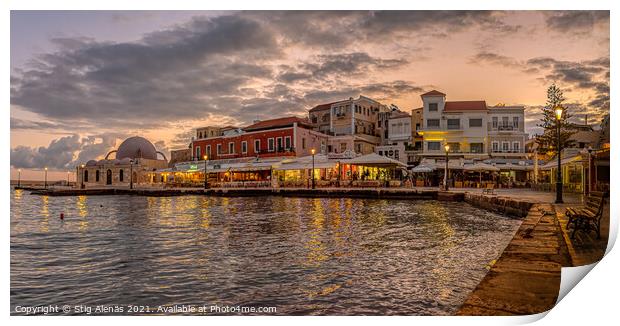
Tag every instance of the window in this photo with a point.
(97, 176)
(494, 122)
(198, 157)
(219, 149)
(120, 175)
(287, 142)
(303, 143)
(379, 124)
(256, 145)
(85, 175)
(208, 152)
(476, 147)
(505, 121)
(396, 154)
(270, 144)
(244, 147)
(516, 146)
(495, 145)
(434, 145)
(475, 123)
(515, 122)
(231, 148)
(454, 123)
(432, 107)
(343, 147)
(432, 123)
(505, 146)
(279, 143)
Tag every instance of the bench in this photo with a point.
(589, 217)
(489, 189)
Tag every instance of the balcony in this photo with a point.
(501, 127)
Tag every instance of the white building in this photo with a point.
(460, 124)
(399, 136)
(506, 129)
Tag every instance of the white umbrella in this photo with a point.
(422, 169)
(480, 166)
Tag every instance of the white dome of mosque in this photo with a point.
(136, 147)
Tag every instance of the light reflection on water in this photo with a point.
(302, 255)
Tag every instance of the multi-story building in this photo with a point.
(290, 136)
(506, 131)
(352, 123)
(459, 124)
(399, 137)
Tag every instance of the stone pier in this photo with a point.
(526, 278)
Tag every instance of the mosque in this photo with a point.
(136, 157)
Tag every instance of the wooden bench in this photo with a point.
(489, 189)
(589, 217)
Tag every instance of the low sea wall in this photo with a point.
(502, 205)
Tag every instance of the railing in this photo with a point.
(505, 127)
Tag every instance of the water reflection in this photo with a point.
(303, 255)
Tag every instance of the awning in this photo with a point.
(374, 159)
(480, 167)
(553, 163)
(423, 169)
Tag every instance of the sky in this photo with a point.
(82, 81)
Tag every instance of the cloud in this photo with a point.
(168, 74)
(65, 152)
(589, 75)
(580, 22)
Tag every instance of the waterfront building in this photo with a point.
(399, 136)
(281, 137)
(460, 124)
(353, 123)
(135, 158)
(180, 155)
(506, 132)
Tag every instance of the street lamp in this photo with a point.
(206, 180)
(313, 151)
(46, 177)
(445, 175)
(590, 149)
(68, 178)
(19, 177)
(130, 174)
(83, 172)
(558, 183)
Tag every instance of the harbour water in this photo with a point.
(310, 256)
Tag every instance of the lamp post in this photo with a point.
(130, 174)
(590, 149)
(313, 151)
(445, 176)
(46, 177)
(558, 183)
(206, 179)
(19, 177)
(68, 178)
(83, 172)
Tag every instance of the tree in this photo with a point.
(547, 142)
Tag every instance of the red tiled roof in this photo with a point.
(277, 123)
(433, 93)
(322, 107)
(458, 106)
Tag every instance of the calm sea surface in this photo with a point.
(300, 255)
